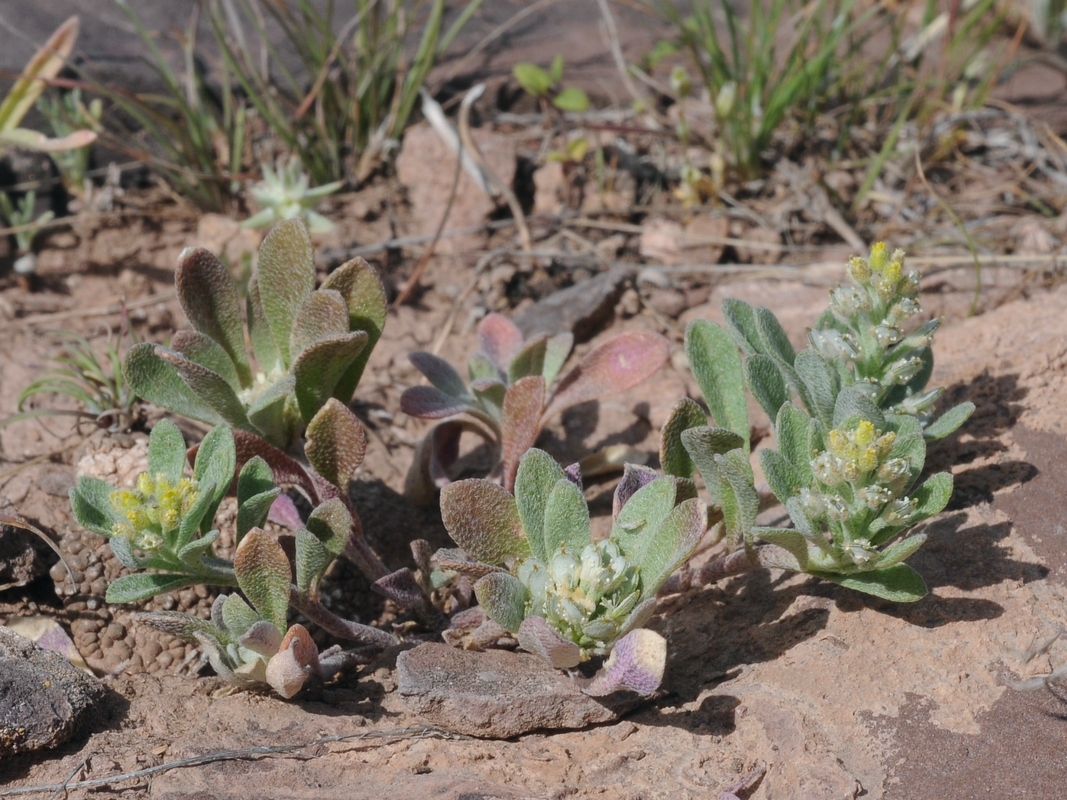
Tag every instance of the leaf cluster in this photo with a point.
(513, 392)
(310, 345)
(547, 86)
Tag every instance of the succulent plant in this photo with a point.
(310, 344)
(513, 392)
(849, 452)
(286, 193)
(567, 598)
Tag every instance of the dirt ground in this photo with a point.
(838, 695)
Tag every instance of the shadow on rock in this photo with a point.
(997, 409)
(970, 557)
(581, 422)
(722, 629)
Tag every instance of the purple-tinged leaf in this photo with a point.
(264, 575)
(336, 443)
(614, 366)
(262, 638)
(556, 352)
(483, 519)
(435, 455)
(283, 512)
(504, 599)
(634, 477)
(208, 296)
(500, 339)
(458, 561)
(536, 636)
(520, 423)
(286, 271)
(439, 372)
(635, 665)
(429, 402)
(296, 660)
(403, 589)
(286, 470)
(530, 360)
(206, 352)
(319, 368)
(573, 473)
(323, 315)
(364, 295)
(209, 386)
(481, 368)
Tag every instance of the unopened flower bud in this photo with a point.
(724, 101)
(680, 83)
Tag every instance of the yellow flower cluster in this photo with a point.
(884, 273)
(154, 506)
(859, 451)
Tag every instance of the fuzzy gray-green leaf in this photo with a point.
(899, 583)
(286, 271)
(166, 451)
(210, 387)
(672, 453)
(153, 379)
(766, 383)
(331, 523)
(775, 341)
(216, 460)
(641, 516)
(815, 385)
(537, 475)
(312, 561)
(144, 585)
(670, 544)
(932, 495)
(741, 318)
(566, 519)
(703, 444)
(896, 553)
(852, 403)
(253, 512)
(716, 365)
(336, 443)
(791, 436)
(90, 500)
(949, 422)
(259, 333)
(504, 599)
(783, 478)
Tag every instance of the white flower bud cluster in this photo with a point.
(585, 597)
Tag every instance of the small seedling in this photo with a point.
(162, 529)
(310, 344)
(98, 385)
(513, 393)
(19, 217)
(546, 86)
(850, 450)
(566, 598)
(67, 115)
(285, 193)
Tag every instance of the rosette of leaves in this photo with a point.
(165, 523)
(309, 344)
(513, 392)
(286, 193)
(249, 643)
(566, 598)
